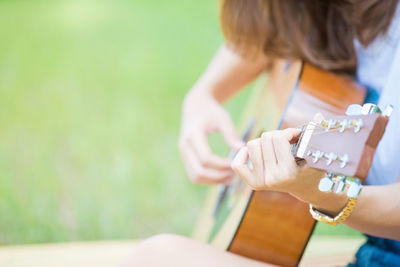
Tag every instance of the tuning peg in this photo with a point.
(330, 157)
(323, 123)
(343, 160)
(326, 184)
(340, 184)
(387, 111)
(315, 155)
(357, 124)
(343, 125)
(353, 110)
(354, 188)
(331, 124)
(369, 108)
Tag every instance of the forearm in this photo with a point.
(228, 73)
(377, 211)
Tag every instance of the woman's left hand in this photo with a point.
(273, 164)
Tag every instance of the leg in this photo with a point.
(175, 251)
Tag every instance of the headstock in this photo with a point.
(344, 146)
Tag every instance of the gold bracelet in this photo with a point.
(340, 218)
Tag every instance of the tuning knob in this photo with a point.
(387, 111)
(316, 155)
(343, 125)
(357, 124)
(331, 124)
(326, 184)
(369, 108)
(340, 184)
(354, 188)
(330, 158)
(353, 110)
(343, 160)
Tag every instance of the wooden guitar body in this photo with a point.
(271, 226)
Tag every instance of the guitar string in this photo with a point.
(321, 128)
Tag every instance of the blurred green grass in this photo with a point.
(90, 99)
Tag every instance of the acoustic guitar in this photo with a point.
(275, 227)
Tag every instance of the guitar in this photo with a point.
(275, 227)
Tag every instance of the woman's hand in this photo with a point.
(274, 167)
(202, 115)
(226, 74)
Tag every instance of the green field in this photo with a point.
(90, 99)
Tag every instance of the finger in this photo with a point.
(240, 166)
(204, 154)
(256, 158)
(291, 134)
(268, 152)
(200, 174)
(211, 177)
(282, 149)
(228, 131)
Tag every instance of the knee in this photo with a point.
(162, 242)
(155, 247)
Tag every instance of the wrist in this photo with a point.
(331, 205)
(328, 203)
(217, 91)
(199, 93)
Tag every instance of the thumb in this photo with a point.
(228, 131)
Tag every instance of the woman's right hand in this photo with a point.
(202, 115)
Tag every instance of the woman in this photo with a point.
(352, 37)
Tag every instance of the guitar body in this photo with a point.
(271, 226)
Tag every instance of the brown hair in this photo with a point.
(321, 32)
